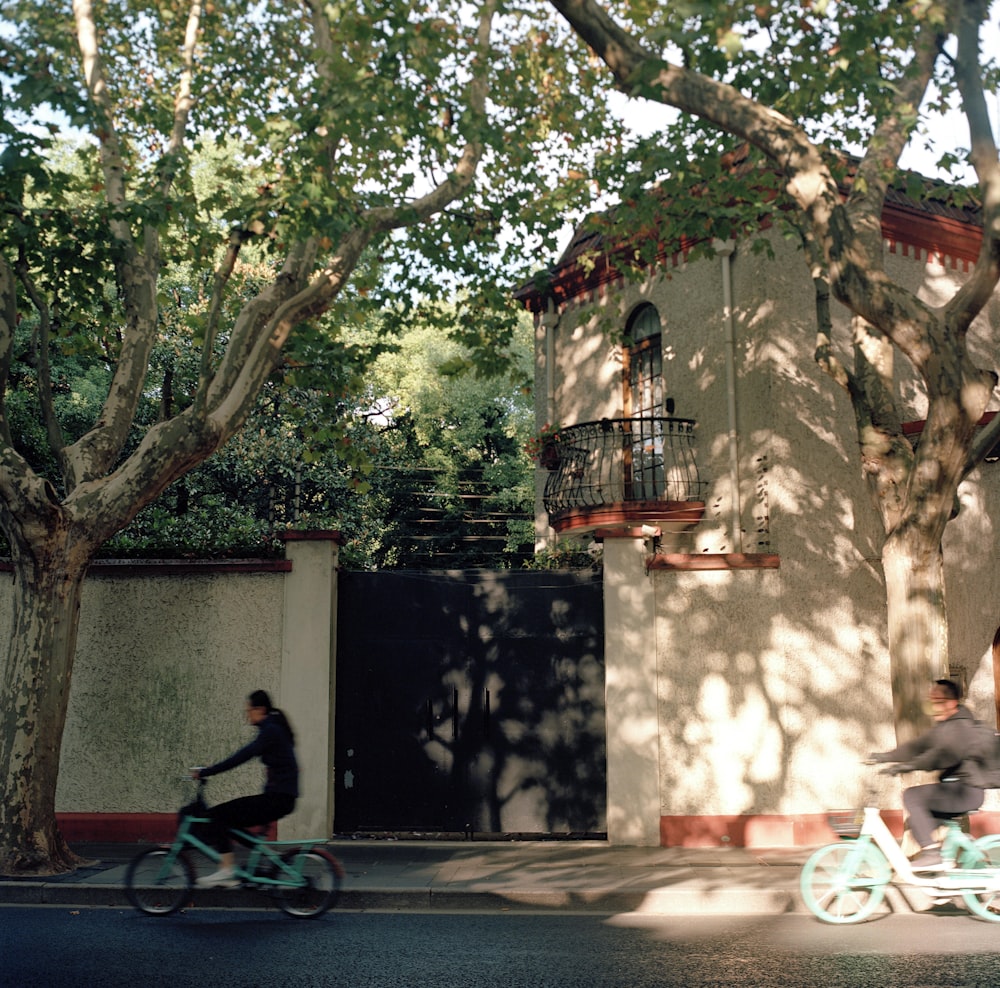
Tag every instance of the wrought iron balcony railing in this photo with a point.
(619, 462)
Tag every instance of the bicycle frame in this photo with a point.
(947, 883)
(287, 874)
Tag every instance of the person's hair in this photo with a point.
(261, 698)
(949, 688)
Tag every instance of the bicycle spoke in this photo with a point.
(844, 882)
(317, 875)
(157, 883)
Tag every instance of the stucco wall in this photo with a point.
(167, 655)
(773, 684)
(163, 668)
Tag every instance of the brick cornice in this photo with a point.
(904, 228)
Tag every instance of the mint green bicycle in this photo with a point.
(845, 882)
(301, 876)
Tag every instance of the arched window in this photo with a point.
(645, 405)
(644, 392)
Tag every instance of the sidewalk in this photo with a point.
(489, 875)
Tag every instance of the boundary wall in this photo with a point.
(167, 653)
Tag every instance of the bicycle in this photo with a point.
(300, 875)
(845, 882)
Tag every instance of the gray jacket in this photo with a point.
(944, 748)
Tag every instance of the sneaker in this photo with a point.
(929, 859)
(224, 878)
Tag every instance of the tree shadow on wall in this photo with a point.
(471, 702)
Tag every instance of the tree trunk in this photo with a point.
(918, 627)
(36, 680)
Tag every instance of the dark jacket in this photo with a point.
(944, 748)
(273, 745)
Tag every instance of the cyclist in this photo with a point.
(275, 746)
(945, 748)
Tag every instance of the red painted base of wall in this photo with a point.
(762, 830)
(124, 828)
(776, 830)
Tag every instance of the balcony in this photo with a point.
(619, 472)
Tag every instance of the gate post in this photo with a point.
(631, 708)
(308, 676)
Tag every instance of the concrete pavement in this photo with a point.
(445, 875)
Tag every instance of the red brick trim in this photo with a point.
(313, 535)
(176, 567)
(124, 828)
(756, 830)
(781, 830)
(905, 228)
(938, 236)
(672, 516)
(714, 560)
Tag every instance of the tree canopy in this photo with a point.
(383, 156)
(799, 84)
(371, 153)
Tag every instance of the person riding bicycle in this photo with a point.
(945, 748)
(275, 746)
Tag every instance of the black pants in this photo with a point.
(927, 805)
(247, 811)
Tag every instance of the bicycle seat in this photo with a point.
(941, 815)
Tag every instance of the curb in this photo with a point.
(654, 902)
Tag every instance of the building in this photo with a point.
(685, 424)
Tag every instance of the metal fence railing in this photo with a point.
(615, 461)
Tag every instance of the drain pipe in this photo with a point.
(725, 249)
(551, 318)
(547, 321)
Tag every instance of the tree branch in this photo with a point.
(95, 452)
(824, 353)
(264, 325)
(52, 427)
(866, 200)
(978, 290)
(323, 40)
(8, 323)
(109, 143)
(853, 257)
(460, 180)
(183, 99)
(222, 275)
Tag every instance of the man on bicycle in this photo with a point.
(946, 748)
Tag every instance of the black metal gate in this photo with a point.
(470, 702)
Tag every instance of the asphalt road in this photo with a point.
(52, 947)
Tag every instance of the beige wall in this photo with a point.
(163, 668)
(165, 660)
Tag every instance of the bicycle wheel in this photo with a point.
(981, 853)
(845, 882)
(157, 887)
(322, 873)
(985, 905)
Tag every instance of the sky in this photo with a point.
(948, 132)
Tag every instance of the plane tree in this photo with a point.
(401, 131)
(799, 84)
